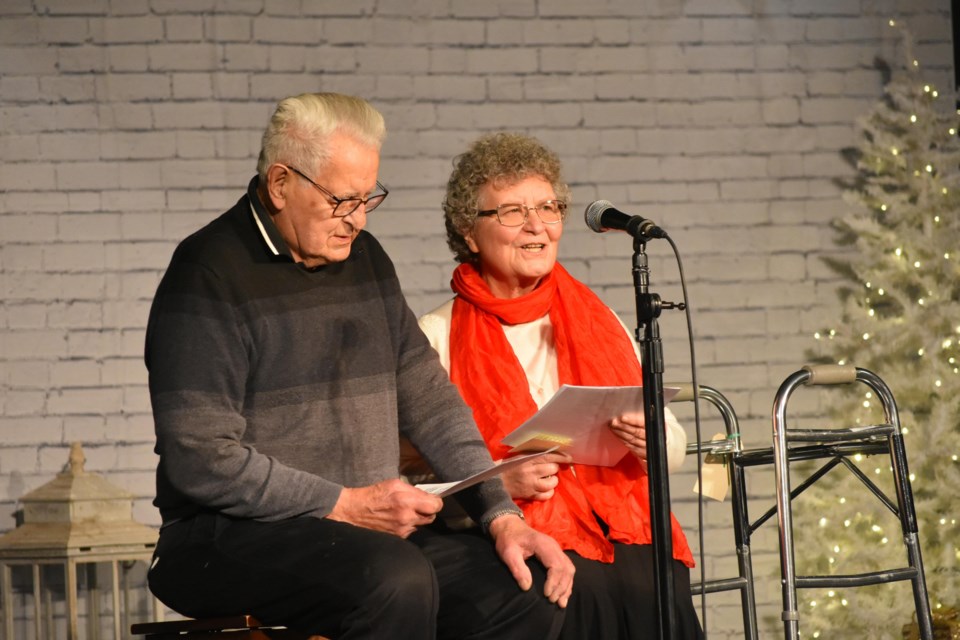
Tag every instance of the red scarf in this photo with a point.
(592, 349)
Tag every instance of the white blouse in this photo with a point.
(532, 343)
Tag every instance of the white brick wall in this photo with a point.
(126, 125)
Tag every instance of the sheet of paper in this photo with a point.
(576, 419)
(444, 489)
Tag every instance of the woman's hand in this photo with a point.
(632, 431)
(535, 479)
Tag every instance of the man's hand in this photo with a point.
(535, 479)
(516, 541)
(392, 506)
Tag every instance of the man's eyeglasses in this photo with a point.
(343, 207)
(515, 215)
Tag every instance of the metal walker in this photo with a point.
(730, 449)
(836, 446)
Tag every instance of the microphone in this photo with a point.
(603, 216)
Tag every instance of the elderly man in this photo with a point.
(284, 366)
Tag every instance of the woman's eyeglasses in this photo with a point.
(515, 215)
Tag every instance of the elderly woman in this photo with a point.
(519, 327)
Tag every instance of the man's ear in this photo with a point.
(279, 180)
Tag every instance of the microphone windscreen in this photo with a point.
(593, 213)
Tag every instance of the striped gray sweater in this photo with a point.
(274, 386)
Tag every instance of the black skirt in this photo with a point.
(618, 600)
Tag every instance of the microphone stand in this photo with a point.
(648, 310)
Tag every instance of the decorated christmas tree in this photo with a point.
(900, 317)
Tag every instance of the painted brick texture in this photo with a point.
(124, 126)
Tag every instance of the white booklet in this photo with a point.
(575, 420)
(444, 489)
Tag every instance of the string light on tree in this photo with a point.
(898, 317)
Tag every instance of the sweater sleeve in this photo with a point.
(437, 422)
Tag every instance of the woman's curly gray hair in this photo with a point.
(501, 159)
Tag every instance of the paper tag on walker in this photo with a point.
(716, 479)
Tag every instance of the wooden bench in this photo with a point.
(228, 628)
